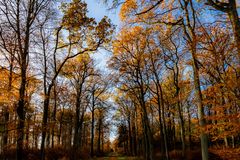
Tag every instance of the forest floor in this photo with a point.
(214, 154)
(116, 156)
(227, 153)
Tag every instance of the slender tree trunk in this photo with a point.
(27, 134)
(102, 150)
(181, 120)
(6, 121)
(76, 128)
(233, 142)
(202, 121)
(48, 138)
(160, 123)
(54, 113)
(60, 130)
(235, 22)
(164, 124)
(147, 131)
(189, 30)
(130, 135)
(99, 135)
(134, 135)
(44, 125)
(92, 129)
(20, 110)
(160, 103)
(81, 131)
(189, 126)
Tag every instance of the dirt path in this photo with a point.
(116, 156)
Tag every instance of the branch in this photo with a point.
(221, 6)
(149, 9)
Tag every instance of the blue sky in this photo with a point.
(98, 10)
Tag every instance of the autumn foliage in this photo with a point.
(170, 88)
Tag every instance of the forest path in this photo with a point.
(115, 156)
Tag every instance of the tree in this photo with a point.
(84, 36)
(130, 61)
(186, 18)
(78, 71)
(230, 8)
(97, 87)
(21, 21)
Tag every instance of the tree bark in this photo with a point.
(54, 113)
(189, 30)
(44, 125)
(92, 126)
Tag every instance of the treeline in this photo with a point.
(177, 76)
(53, 98)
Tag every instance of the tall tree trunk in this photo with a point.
(6, 121)
(44, 125)
(235, 21)
(92, 128)
(189, 126)
(130, 135)
(147, 130)
(60, 129)
(77, 124)
(81, 131)
(202, 121)
(164, 123)
(189, 30)
(160, 103)
(99, 135)
(54, 113)
(102, 150)
(27, 133)
(181, 120)
(20, 110)
(134, 134)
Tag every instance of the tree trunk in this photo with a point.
(6, 121)
(164, 124)
(44, 125)
(234, 18)
(233, 142)
(134, 135)
(160, 103)
(92, 130)
(60, 129)
(189, 126)
(189, 31)
(77, 124)
(99, 135)
(147, 131)
(20, 110)
(202, 121)
(181, 125)
(54, 114)
(130, 136)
